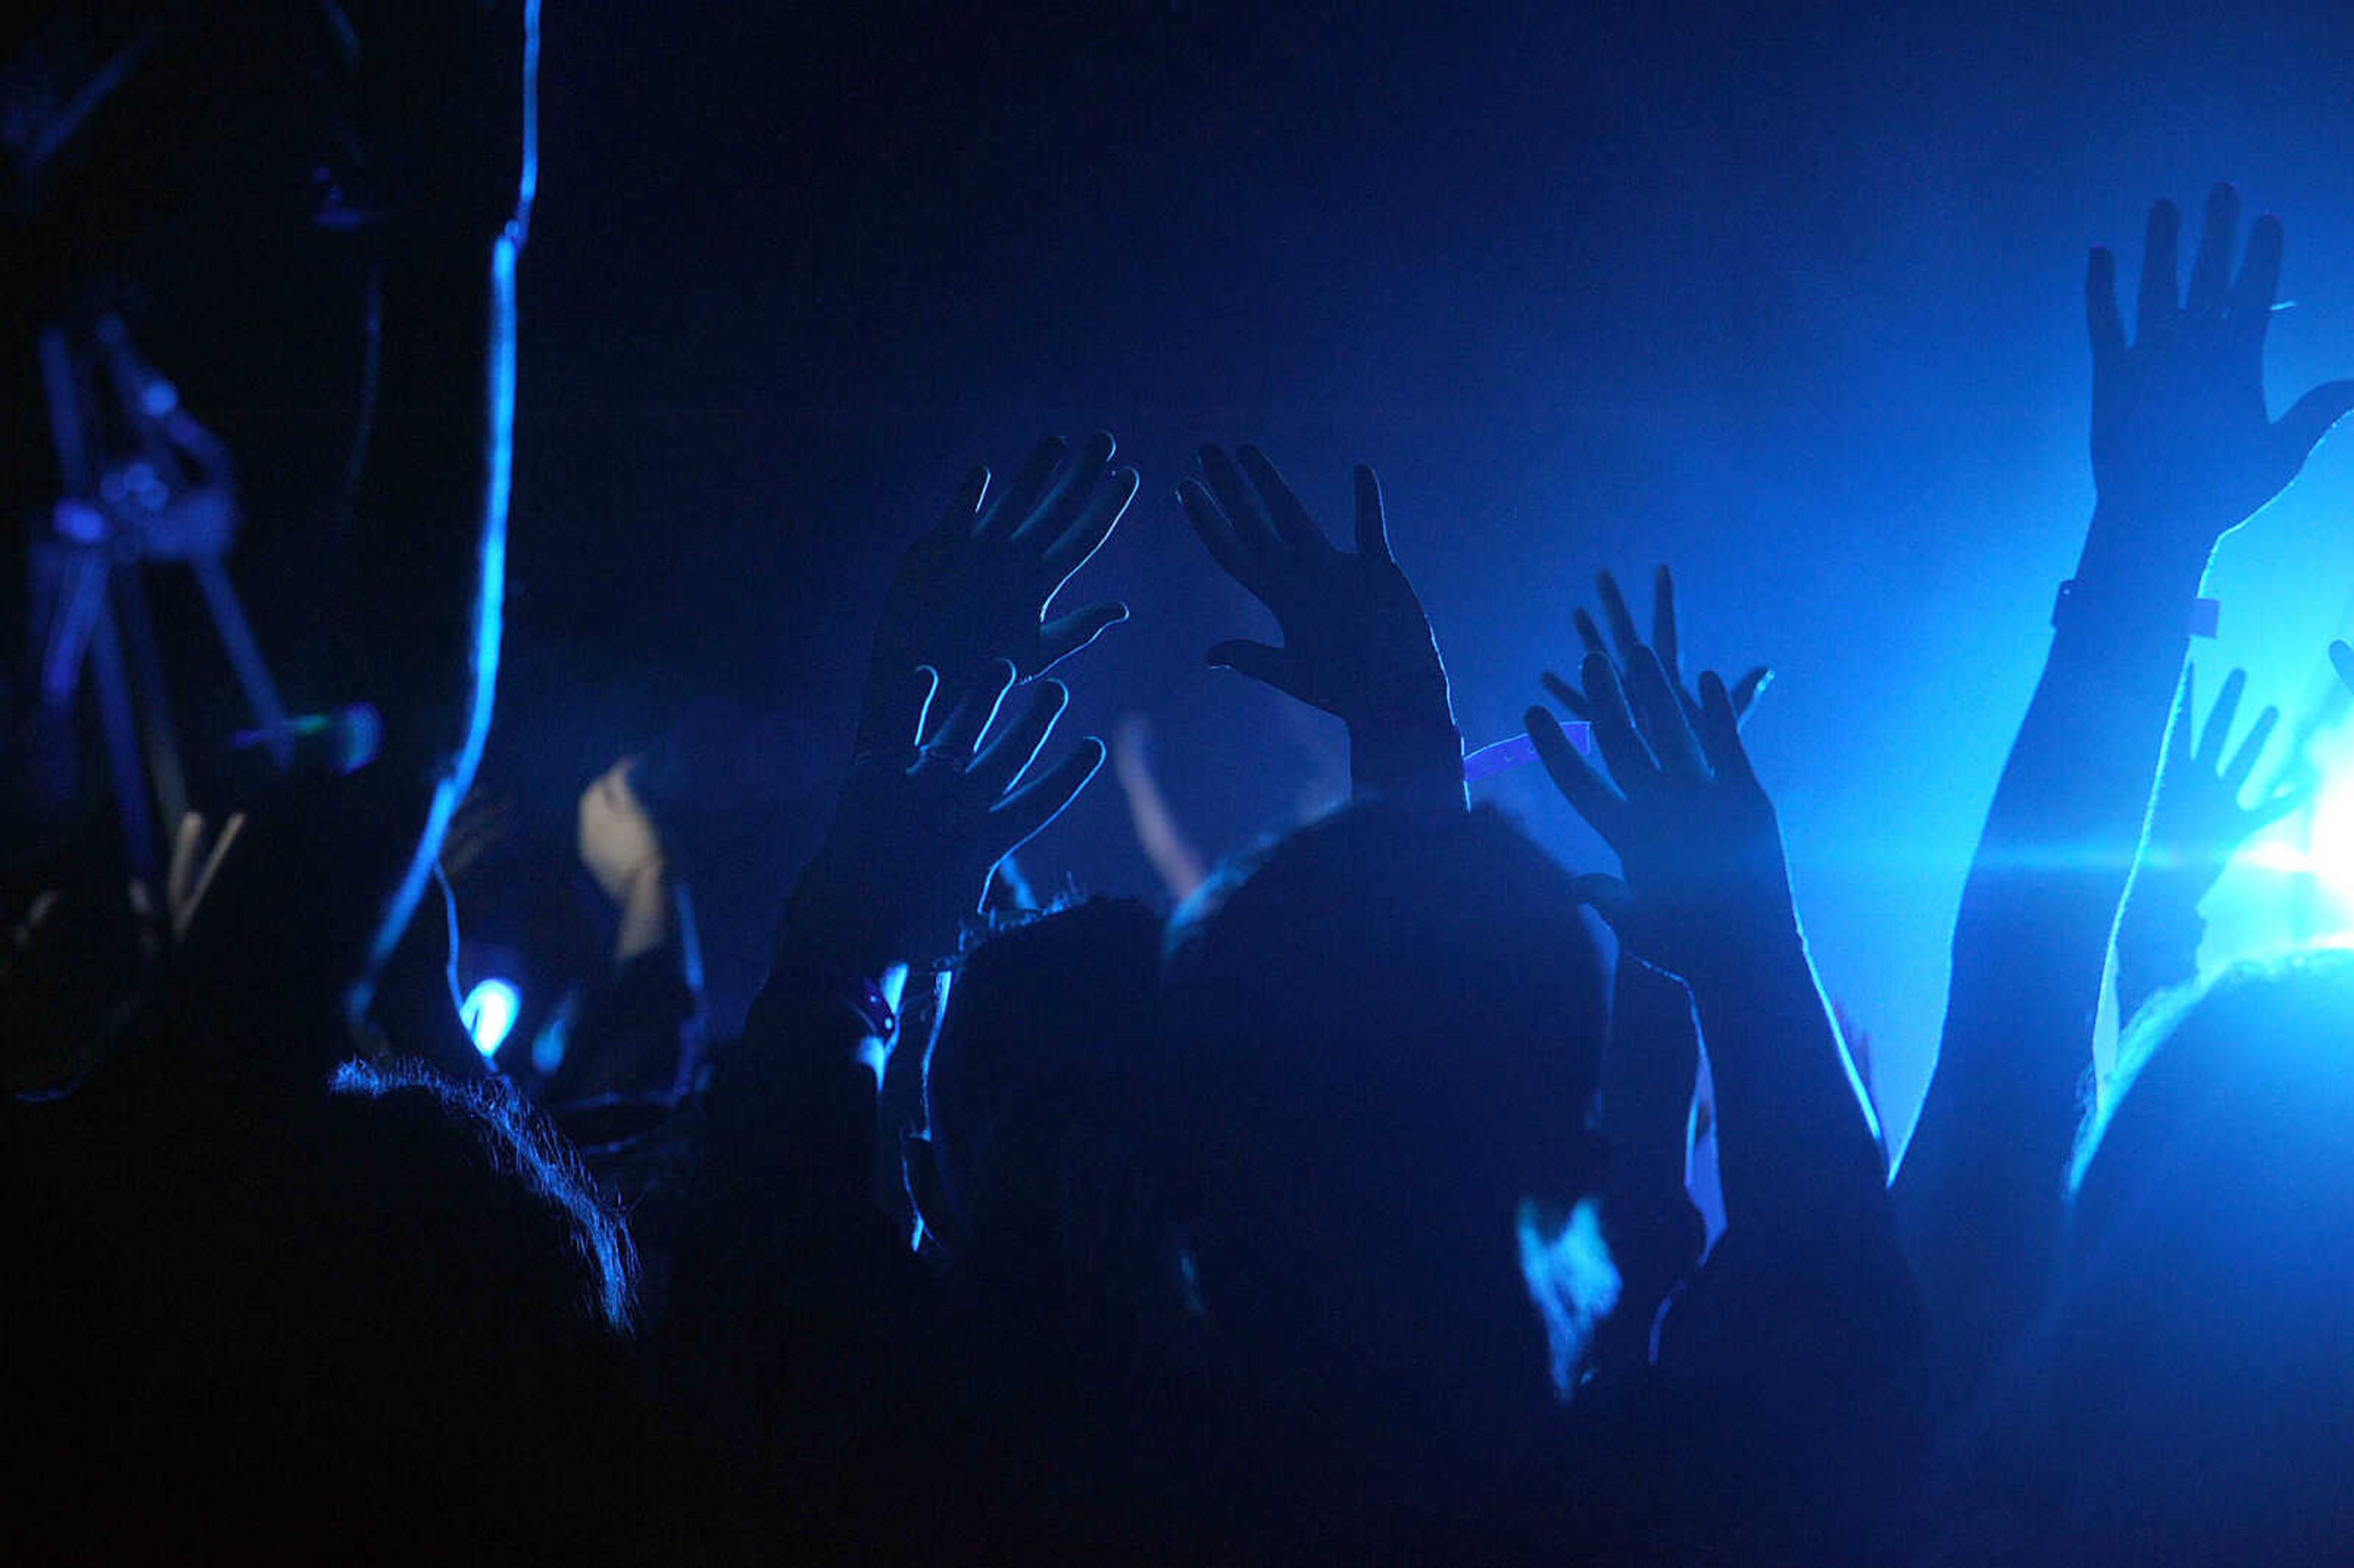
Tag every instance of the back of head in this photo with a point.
(1376, 982)
(468, 1216)
(1387, 1030)
(2196, 1366)
(404, 1289)
(1043, 1034)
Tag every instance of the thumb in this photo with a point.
(1607, 896)
(2300, 430)
(1270, 666)
(1749, 688)
(2341, 657)
(1066, 634)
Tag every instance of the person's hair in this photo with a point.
(2191, 1364)
(395, 1286)
(1376, 974)
(483, 1190)
(2255, 1028)
(1045, 1024)
(1383, 1034)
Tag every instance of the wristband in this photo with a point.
(2206, 614)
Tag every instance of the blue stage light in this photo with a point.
(2329, 849)
(488, 1012)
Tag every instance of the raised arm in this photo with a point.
(801, 1332)
(1706, 897)
(2196, 825)
(2182, 452)
(1796, 1346)
(1356, 642)
(1651, 1067)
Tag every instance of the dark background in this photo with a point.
(1788, 296)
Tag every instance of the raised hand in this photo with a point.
(1356, 642)
(2183, 451)
(2182, 445)
(1664, 642)
(621, 848)
(926, 816)
(2196, 820)
(1706, 897)
(1696, 837)
(980, 585)
(618, 841)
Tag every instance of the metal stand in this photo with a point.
(142, 484)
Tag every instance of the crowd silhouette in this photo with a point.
(1344, 1212)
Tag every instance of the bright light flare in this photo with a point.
(489, 1014)
(2329, 848)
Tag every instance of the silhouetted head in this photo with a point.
(404, 1289)
(1387, 1032)
(2196, 1364)
(1037, 1050)
(496, 1216)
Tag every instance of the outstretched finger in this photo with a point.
(1013, 747)
(2103, 324)
(2158, 300)
(1720, 732)
(2287, 802)
(2210, 272)
(2210, 752)
(1241, 503)
(1746, 689)
(1021, 817)
(1274, 667)
(2236, 772)
(1562, 692)
(1216, 531)
(1613, 727)
(963, 513)
(1604, 894)
(2300, 430)
(1066, 634)
(1373, 523)
(1104, 509)
(1589, 794)
(1589, 633)
(1664, 640)
(1292, 523)
(1659, 711)
(2259, 283)
(896, 715)
(1615, 611)
(1073, 491)
(967, 722)
(1000, 516)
